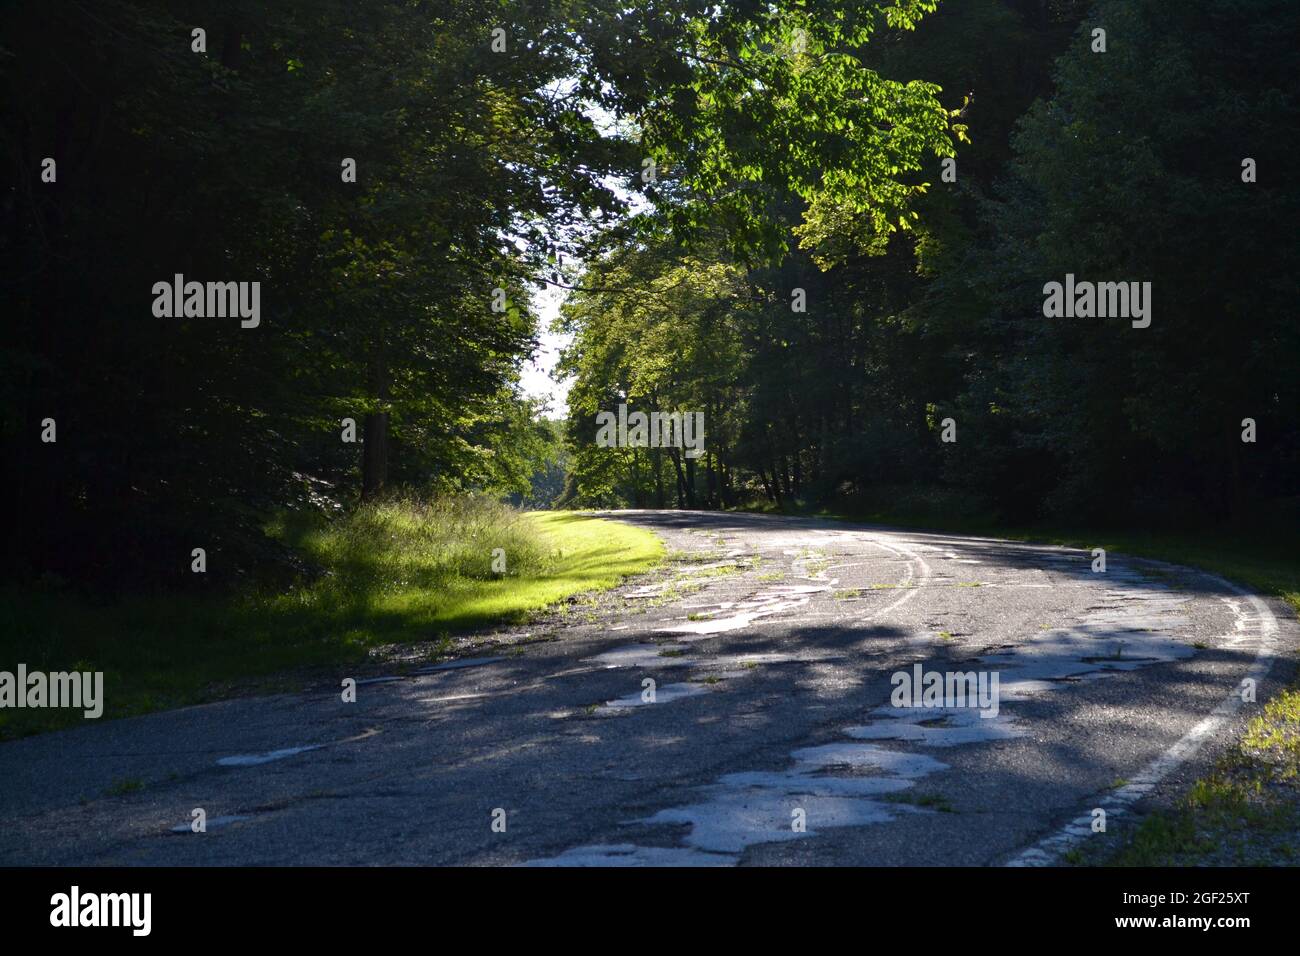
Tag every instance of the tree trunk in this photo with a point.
(637, 501)
(374, 473)
(374, 467)
(681, 481)
(711, 480)
(659, 477)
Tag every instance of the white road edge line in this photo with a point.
(1049, 850)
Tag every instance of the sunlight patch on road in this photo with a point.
(254, 760)
(212, 823)
(662, 695)
(458, 665)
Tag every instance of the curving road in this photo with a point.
(773, 737)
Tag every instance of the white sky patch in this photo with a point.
(535, 378)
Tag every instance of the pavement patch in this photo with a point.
(254, 760)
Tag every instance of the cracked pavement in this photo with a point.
(771, 642)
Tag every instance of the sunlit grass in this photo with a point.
(402, 571)
(1273, 738)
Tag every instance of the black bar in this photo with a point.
(335, 905)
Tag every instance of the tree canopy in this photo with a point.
(922, 368)
(824, 224)
(395, 176)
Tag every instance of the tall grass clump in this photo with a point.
(404, 545)
(401, 543)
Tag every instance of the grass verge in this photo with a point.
(397, 572)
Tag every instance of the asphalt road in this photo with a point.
(773, 735)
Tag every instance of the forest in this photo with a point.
(827, 369)
(826, 226)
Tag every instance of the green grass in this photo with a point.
(398, 572)
(1273, 738)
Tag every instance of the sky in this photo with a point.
(535, 380)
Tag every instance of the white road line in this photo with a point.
(911, 591)
(1050, 849)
